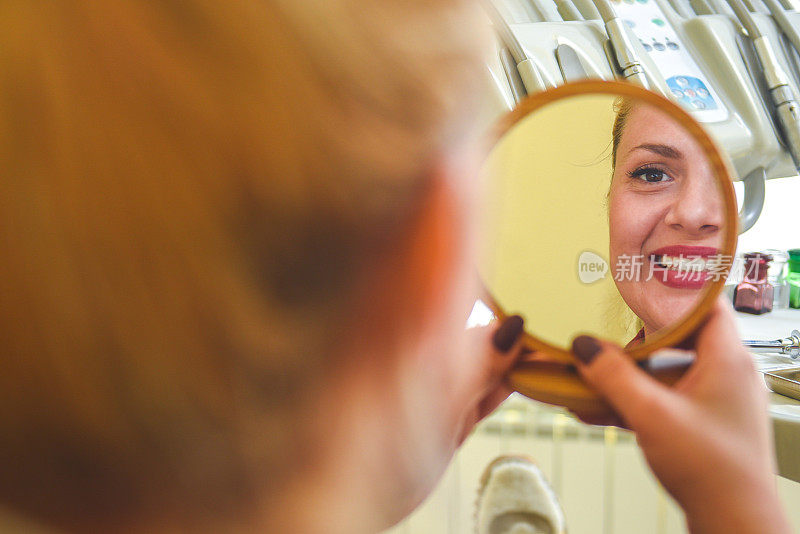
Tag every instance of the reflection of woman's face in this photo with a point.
(664, 203)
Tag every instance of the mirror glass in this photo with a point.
(605, 215)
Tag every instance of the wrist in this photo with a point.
(753, 508)
(722, 522)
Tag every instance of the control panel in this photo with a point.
(689, 86)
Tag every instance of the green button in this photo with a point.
(642, 1)
(658, 22)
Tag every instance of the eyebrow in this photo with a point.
(662, 150)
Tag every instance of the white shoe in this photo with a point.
(515, 498)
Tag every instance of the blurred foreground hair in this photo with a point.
(188, 191)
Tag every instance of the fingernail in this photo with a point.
(508, 333)
(585, 348)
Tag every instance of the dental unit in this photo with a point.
(735, 71)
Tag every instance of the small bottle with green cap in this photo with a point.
(793, 279)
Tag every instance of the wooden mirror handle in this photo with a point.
(560, 384)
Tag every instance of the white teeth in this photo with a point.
(681, 263)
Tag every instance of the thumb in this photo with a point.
(634, 395)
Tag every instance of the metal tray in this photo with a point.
(785, 381)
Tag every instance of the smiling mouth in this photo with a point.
(685, 267)
(686, 263)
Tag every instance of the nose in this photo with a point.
(698, 208)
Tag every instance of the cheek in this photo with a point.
(626, 231)
(633, 218)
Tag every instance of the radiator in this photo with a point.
(598, 473)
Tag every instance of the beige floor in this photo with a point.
(599, 474)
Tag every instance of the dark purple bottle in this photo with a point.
(754, 293)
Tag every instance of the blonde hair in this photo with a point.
(188, 191)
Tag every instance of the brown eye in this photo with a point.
(650, 175)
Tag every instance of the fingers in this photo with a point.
(494, 399)
(634, 395)
(484, 388)
(718, 347)
(603, 419)
(505, 347)
(500, 350)
(484, 407)
(718, 341)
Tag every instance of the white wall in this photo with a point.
(779, 224)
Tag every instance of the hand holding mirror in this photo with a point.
(610, 212)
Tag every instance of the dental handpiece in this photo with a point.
(789, 346)
(627, 60)
(629, 63)
(783, 97)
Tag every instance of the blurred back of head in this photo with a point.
(189, 190)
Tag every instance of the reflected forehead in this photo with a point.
(652, 129)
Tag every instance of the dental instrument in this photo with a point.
(619, 40)
(789, 346)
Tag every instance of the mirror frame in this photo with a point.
(673, 335)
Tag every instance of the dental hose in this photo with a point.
(702, 7)
(504, 31)
(779, 14)
(780, 89)
(567, 10)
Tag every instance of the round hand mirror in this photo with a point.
(610, 212)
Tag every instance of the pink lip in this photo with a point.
(687, 251)
(682, 280)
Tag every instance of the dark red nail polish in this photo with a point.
(585, 348)
(508, 333)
